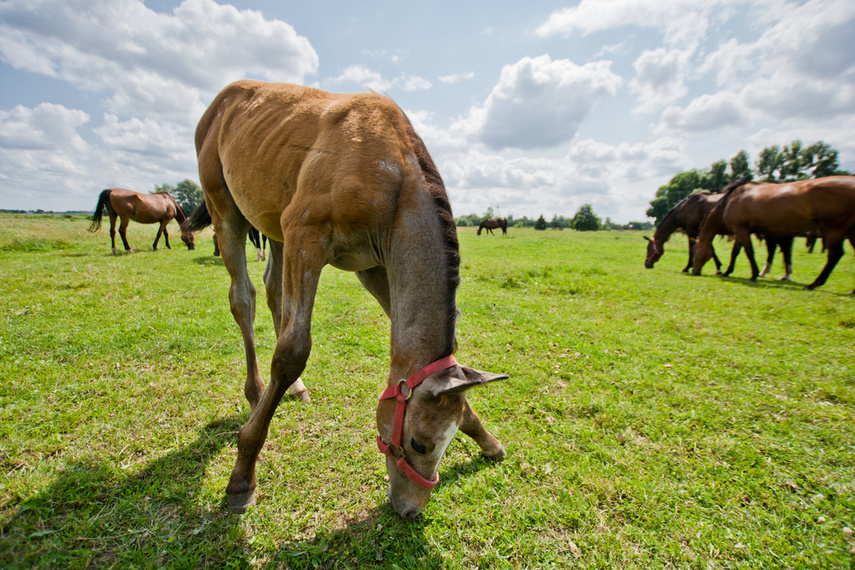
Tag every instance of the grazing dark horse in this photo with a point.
(785, 210)
(158, 208)
(688, 215)
(341, 180)
(491, 224)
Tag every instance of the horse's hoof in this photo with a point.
(718, 272)
(497, 457)
(785, 278)
(298, 391)
(240, 502)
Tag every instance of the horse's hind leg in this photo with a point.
(835, 252)
(123, 233)
(301, 271)
(273, 285)
(113, 230)
(786, 245)
(491, 448)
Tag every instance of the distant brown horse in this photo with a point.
(491, 224)
(785, 210)
(342, 180)
(688, 215)
(159, 208)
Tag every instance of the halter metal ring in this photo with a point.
(404, 389)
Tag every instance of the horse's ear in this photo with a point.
(445, 385)
(647, 238)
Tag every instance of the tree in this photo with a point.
(740, 166)
(187, 193)
(540, 224)
(585, 220)
(769, 163)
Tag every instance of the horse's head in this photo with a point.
(434, 411)
(188, 239)
(655, 249)
(703, 251)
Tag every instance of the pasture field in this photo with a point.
(651, 419)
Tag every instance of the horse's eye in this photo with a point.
(418, 447)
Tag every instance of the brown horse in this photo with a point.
(688, 215)
(159, 208)
(341, 180)
(491, 224)
(784, 210)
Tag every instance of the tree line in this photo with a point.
(584, 220)
(773, 164)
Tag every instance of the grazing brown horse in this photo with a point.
(159, 208)
(688, 215)
(491, 224)
(341, 180)
(785, 210)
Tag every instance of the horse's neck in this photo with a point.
(423, 282)
(179, 213)
(711, 225)
(668, 226)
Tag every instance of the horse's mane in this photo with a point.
(451, 248)
(726, 191)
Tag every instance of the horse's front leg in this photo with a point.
(165, 235)
(716, 260)
(491, 448)
(786, 245)
(734, 253)
(749, 252)
(771, 244)
(302, 266)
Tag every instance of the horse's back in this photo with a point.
(142, 208)
(794, 207)
(293, 152)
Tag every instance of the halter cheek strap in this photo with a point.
(401, 393)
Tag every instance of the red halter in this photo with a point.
(401, 392)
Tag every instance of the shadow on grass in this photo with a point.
(94, 516)
(209, 260)
(376, 539)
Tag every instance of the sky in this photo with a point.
(529, 109)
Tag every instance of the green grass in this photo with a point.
(652, 419)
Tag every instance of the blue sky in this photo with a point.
(529, 110)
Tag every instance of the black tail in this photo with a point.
(103, 200)
(199, 219)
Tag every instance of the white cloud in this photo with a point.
(146, 62)
(41, 152)
(539, 102)
(368, 78)
(659, 77)
(456, 77)
(705, 113)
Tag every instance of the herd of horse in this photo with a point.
(777, 212)
(345, 180)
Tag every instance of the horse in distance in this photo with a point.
(126, 205)
(341, 180)
(491, 224)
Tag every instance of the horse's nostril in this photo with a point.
(410, 514)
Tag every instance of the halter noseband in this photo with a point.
(401, 392)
